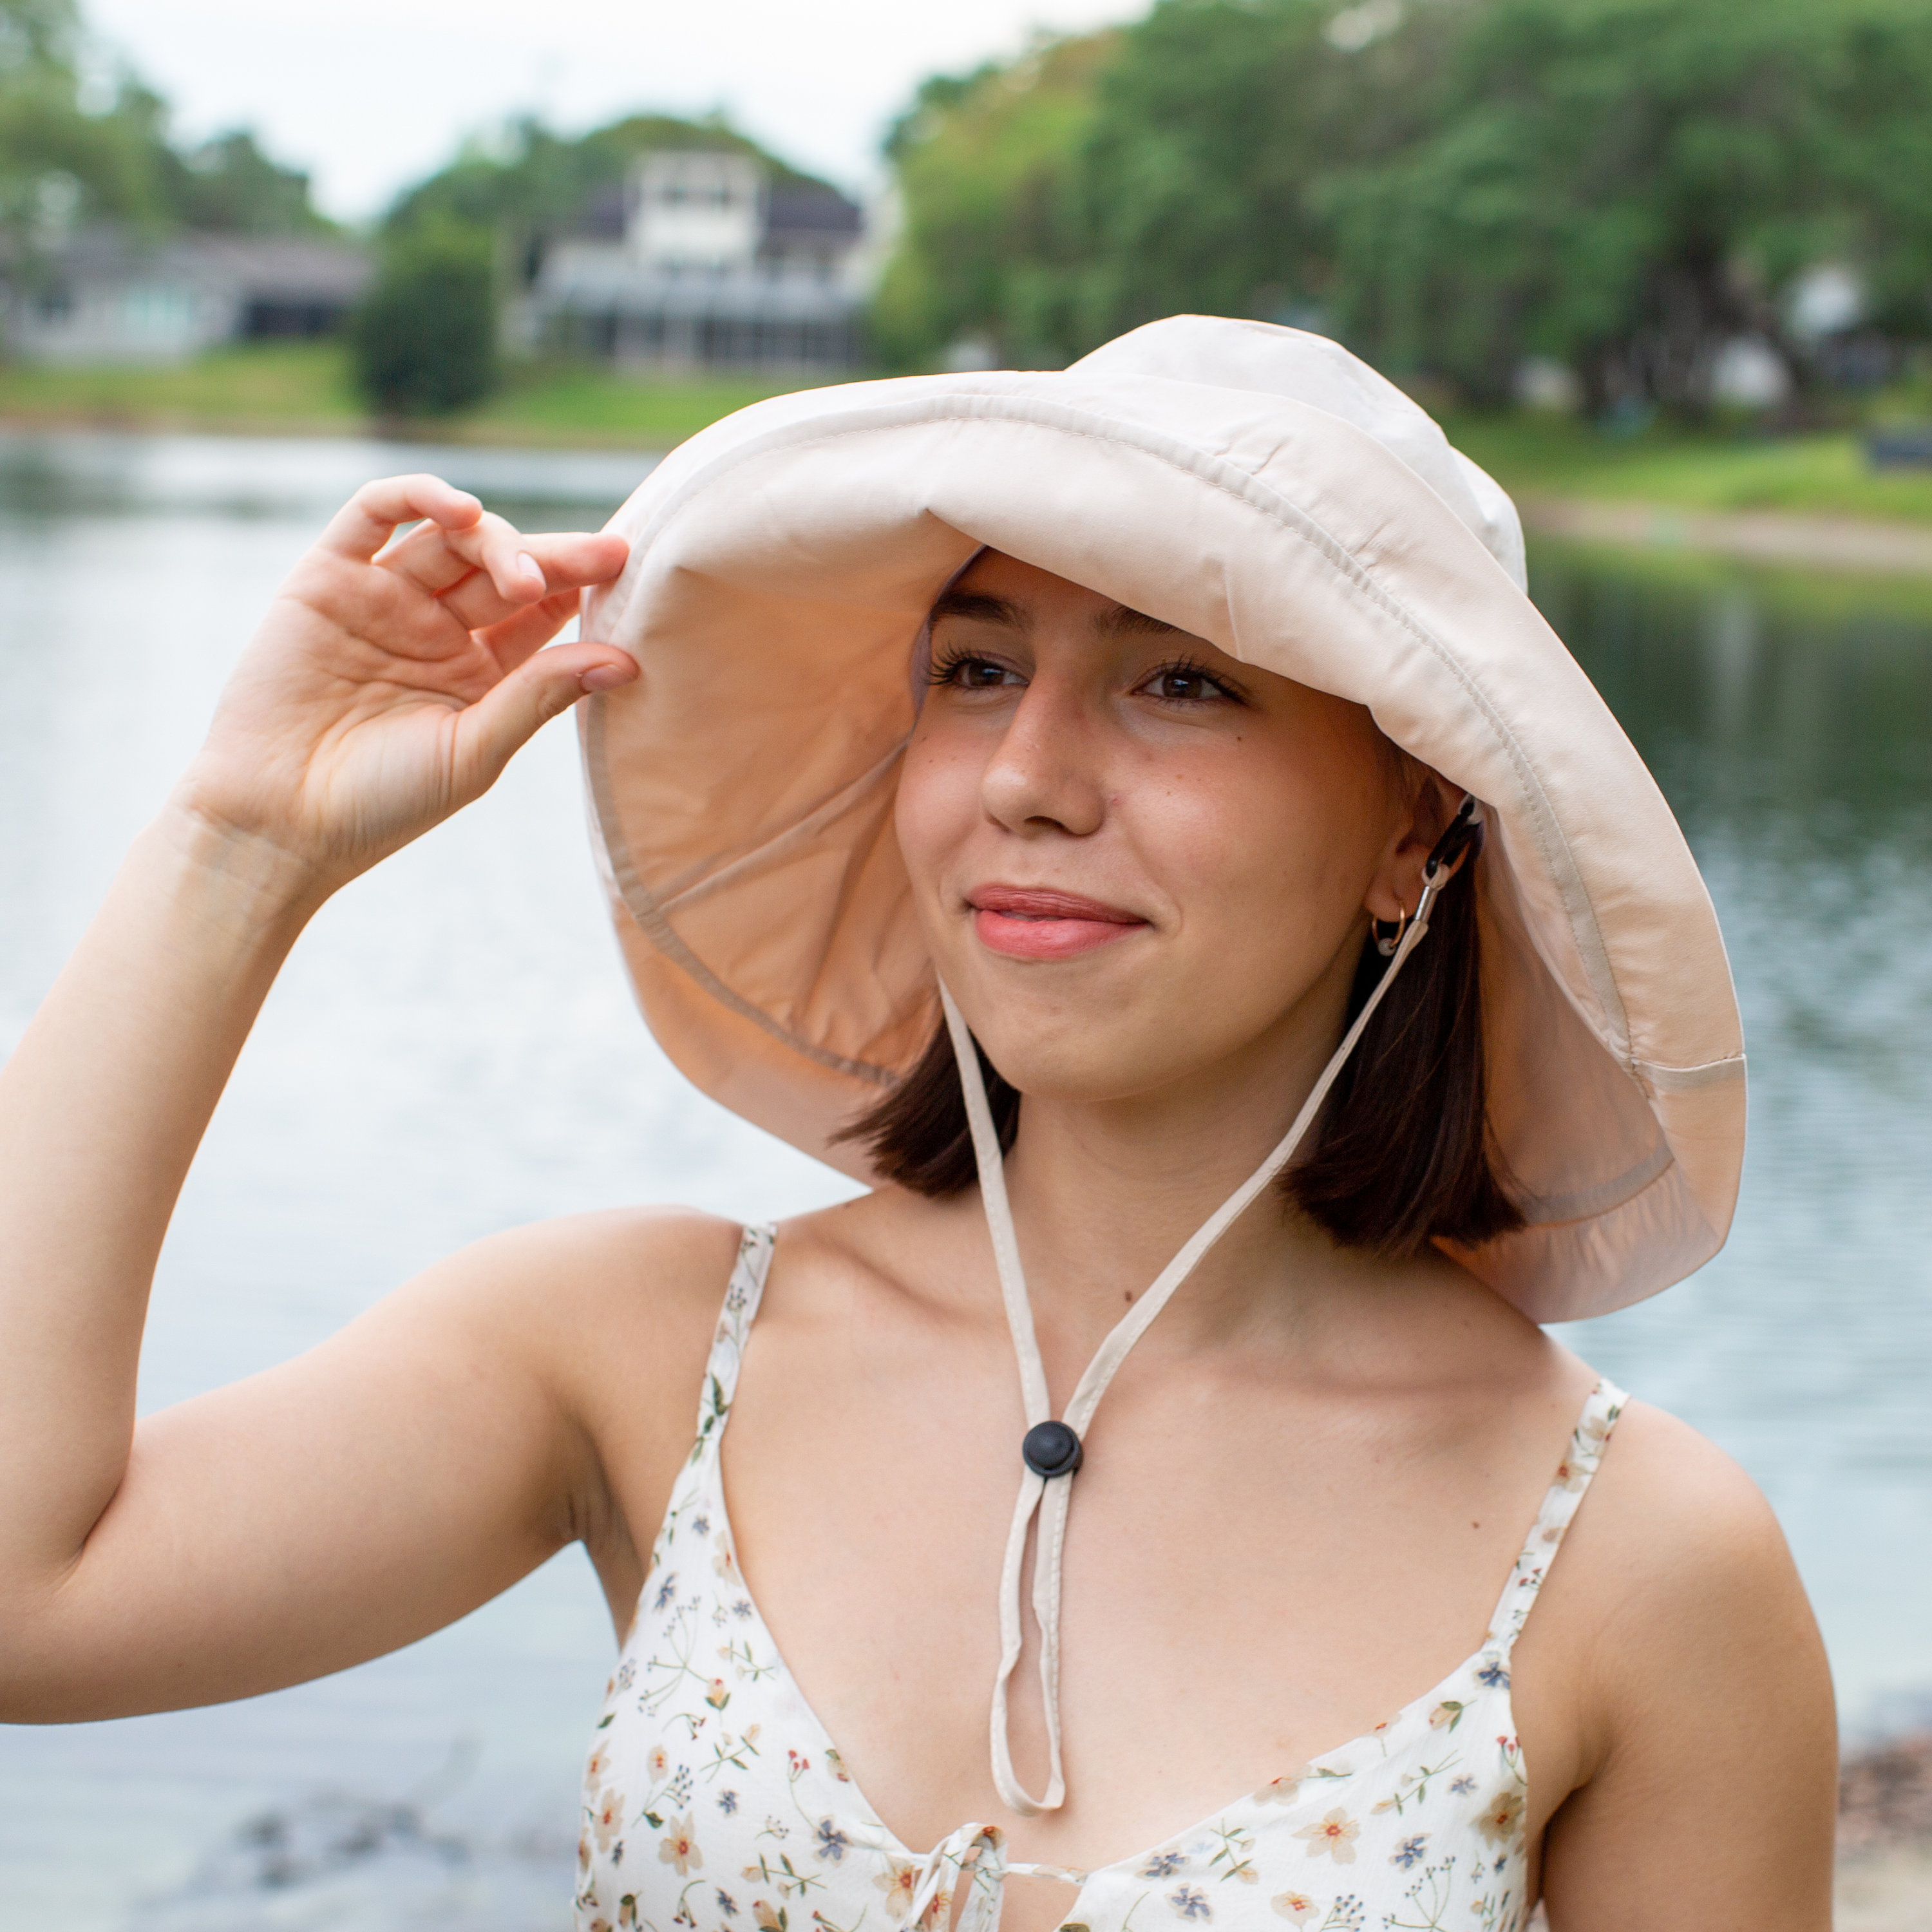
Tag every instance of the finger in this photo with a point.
(570, 562)
(499, 723)
(526, 632)
(369, 519)
(492, 549)
(522, 568)
(427, 559)
(573, 560)
(584, 557)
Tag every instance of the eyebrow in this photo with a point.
(1118, 619)
(977, 604)
(1124, 622)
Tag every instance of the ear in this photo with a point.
(1395, 889)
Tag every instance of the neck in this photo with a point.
(1105, 1193)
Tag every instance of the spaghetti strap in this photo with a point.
(1573, 1474)
(742, 1295)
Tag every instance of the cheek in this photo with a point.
(937, 808)
(1268, 847)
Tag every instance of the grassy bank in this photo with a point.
(1817, 476)
(291, 388)
(298, 388)
(304, 388)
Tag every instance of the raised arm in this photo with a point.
(388, 687)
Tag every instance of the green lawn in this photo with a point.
(1825, 476)
(269, 386)
(591, 406)
(298, 388)
(304, 387)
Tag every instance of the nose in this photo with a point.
(1044, 775)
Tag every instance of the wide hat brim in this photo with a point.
(782, 567)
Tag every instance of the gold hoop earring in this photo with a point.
(1386, 942)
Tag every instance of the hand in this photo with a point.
(388, 687)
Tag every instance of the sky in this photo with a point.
(368, 95)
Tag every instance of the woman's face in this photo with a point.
(1138, 861)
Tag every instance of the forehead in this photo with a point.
(997, 589)
(993, 570)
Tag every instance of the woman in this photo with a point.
(1135, 815)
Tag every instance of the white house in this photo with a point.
(103, 296)
(702, 260)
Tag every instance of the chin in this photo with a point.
(1081, 1059)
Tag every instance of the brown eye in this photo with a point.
(971, 673)
(1185, 684)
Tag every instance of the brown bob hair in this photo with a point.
(1401, 1154)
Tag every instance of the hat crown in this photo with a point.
(1267, 358)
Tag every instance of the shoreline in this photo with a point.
(454, 431)
(1851, 545)
(1864, 545)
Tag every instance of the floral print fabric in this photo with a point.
(713, 1799)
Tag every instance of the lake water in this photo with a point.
(452, 1051)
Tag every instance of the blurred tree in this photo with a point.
(1212, 128)
(991, 251)
(1450, 185)
(1627, 184)
(229, 185)
(61, 164)
(425, 336)
(79, 143)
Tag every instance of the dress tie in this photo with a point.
(1048, 1496)
(973, 1859)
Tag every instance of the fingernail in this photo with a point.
(529, 568)
(606, 677)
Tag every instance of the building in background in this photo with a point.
(702, 260)
(102, 296)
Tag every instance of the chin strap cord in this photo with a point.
(1046, 1489)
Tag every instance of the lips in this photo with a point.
(1027, 922)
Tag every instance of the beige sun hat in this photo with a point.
(1259, 487)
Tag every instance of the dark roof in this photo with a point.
(272, 269)
(800, 212)
(258, 268)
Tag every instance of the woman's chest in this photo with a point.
(1247, 1583)
(716, 1789)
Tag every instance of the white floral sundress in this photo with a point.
(714, 1800)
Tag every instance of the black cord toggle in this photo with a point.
(1052, 1449)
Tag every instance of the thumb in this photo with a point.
(499, 723)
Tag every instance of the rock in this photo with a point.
(1885, 1795)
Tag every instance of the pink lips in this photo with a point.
(1026, 923)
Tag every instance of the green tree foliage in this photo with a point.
(76, 147)
(1211, 128)
(228, 185)
(425, 336)
(1449, 184)
(60, 164)
(1624, 183)
(991, 241)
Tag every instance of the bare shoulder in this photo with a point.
(1703, 1787)
(1680, 1523)
(1674, 1573)
(570, 1296)
(604, 1319)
